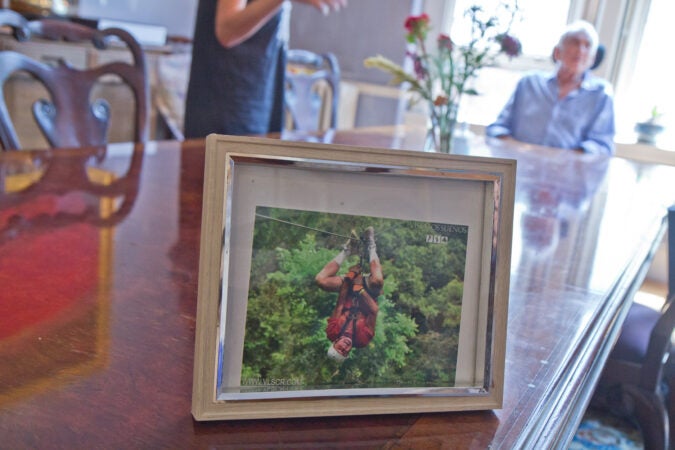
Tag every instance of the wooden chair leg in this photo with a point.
(652, 417)
(670, 404)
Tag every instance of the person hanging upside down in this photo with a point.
(352, 323)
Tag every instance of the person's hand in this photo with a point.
(325, 6)
(505, 138)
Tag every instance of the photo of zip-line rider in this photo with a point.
(352, 323)
(345, 301)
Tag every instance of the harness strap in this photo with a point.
(351, 318)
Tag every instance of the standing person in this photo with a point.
(352, 323)
(569, 108)
(238, 63)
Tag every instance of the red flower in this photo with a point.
(444, 42)
(420, 71)
(509, 44)
(440, 100)
(417, 26)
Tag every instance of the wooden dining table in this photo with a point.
(99, 252)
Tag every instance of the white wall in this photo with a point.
(178, 16)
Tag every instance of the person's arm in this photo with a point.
(600, 137)
(327, 279)
(501, 128)
(237, 20)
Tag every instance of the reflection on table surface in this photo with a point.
(99, 263)
(56, 231)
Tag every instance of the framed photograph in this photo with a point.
(339, 280)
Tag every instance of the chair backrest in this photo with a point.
(671, 251)
(633, 380)
(599, 57)
(312, 90)
(70, 118)
(660, 338)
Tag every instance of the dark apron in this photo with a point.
(237, 91)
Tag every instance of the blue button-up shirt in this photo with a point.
(584, 119)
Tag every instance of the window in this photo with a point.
(649, 85)
(632, 32)
(538, 27)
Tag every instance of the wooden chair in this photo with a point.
(70, 118)
(312, 90)
(636, 378)
(599, 57)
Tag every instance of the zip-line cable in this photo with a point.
(304, 226)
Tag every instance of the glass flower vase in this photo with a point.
(440, 128)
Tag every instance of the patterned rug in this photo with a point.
(601, 431)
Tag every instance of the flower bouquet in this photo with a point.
(441, 78)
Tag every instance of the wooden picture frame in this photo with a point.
(279, 217)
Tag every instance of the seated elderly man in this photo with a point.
(569, 108)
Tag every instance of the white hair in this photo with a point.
(580, 27)
(337, 356)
